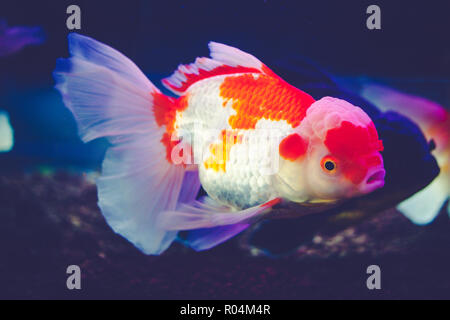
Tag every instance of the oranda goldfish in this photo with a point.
(245, 135)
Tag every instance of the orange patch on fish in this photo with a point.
(220, 152)
(263, 97)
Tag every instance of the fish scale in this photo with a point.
(243, 174)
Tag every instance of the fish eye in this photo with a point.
(328, 164)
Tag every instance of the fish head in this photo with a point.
(342, 158)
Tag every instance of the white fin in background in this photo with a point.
(425, 205)
(420, 110)
(110, 97)
(6, 133)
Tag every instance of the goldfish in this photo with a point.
(234, 127)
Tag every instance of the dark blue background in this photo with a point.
(411, 51)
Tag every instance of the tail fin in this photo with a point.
(110, 97)
(434, 121)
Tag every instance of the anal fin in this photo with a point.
(210, 223)
(204, 239)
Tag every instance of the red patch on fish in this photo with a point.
(271, 203)
(265, 97)
(165, 110)
(351, 144)
(292, 147)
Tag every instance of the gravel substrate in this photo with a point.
(51, 221)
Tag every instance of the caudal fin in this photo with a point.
(110, 97)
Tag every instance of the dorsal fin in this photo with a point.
(224, 60)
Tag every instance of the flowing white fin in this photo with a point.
(110, 97)
(233, 57)
(224, 60)
(204, 239)
(200, 215)
(210, 223)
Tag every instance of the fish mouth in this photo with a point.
(376, 177)
(374, 181)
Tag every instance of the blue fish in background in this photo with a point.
(14, 39)
(410, 127)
